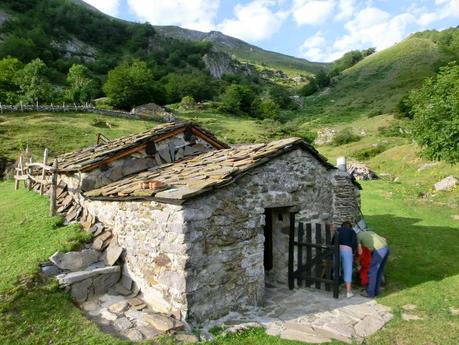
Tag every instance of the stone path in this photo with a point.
(311, 315)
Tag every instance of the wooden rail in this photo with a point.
(24, 172)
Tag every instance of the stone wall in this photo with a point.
(155, 251)
(225, 230)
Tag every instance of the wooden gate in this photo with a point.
(313, 260)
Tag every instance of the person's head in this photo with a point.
(346, 224)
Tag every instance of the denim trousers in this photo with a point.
(346, 262)
(378, 261)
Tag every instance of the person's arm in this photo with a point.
(354, 242)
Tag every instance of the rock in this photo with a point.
(134, 335)
(148, 332)
(134, 302)
(409, 307)
(446, 184)
(426, 166)
(80, 290)
(122, 324)
(74, 277)
(135, 315)
(162, 322)
(112, 254)
(75, 261)
(51, 271)
(368, 326)
(325, 136)
(162, 260)
(108, 315)
(126, 281)
(103, 282)
(186, 338)
(119, 288)
(455, 216)
(410, 317)
(90, 306)
(96, 229)
(102, 241)
(454, 311)
(119, 307)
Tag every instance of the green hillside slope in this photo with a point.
(376, 84)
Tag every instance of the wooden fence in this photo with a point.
(38, 174)
(317, 258)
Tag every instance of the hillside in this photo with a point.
(376, 84)
(244, 51)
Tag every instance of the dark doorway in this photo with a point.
(268, 255)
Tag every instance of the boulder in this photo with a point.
(446, 184)
(112, 253)
(162, 322)
(75, 261)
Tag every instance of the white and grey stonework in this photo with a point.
(205, 258)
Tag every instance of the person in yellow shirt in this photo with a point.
(379, 254)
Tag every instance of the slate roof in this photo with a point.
(179, 181)
(96, 155)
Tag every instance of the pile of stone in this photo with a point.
(131, 318)
(325, 136)
(152, 109)
(92, 271)
(361, 171)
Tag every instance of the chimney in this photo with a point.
(341, 164)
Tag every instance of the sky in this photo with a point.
(317, 30)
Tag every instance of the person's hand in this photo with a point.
(359, 250)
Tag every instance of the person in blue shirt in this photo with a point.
(347, 239)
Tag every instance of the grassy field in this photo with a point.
(422, 227)
(61, 132)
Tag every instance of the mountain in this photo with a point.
(376, 84)
(244, 51)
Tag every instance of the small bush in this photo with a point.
(345, 136)
(188, 103)
(394, 130)
(101, 123)
(369, 152)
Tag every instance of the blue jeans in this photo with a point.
(378, 261)
(346, 262)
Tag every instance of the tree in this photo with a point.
(237, 99)
(309, 88)
(9, 67)
(33, 83)
(281, 96)
(322, 79)
(265, 109)
(435, 110)
(82, 87)
(131, 84)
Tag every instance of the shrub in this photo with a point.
(265, 109)
(369, 152)
(188, 103)
(393, 130)
(345, 136)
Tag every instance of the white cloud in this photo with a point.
(255, 21)
(191, 14)
(370, 27)
(110, 7)
(312, 12)
(446, 9)
(312, 47)
(346, 9)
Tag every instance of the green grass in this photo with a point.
(59, 132)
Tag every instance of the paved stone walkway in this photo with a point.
(311, 315)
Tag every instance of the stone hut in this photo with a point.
(203, 226)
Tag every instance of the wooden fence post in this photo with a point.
(43, 173)
(29, 174)
(16, 173)
(291, 253)
(52, 194)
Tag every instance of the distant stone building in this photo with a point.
(202, 226)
